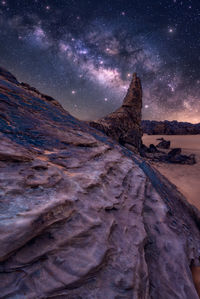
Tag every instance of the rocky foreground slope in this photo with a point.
(152, 127)
(82, 216)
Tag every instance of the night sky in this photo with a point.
(83, 53)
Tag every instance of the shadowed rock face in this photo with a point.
(83, 217)
(124, 125)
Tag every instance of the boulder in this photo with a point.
(164, 144)
(174, 152)
(153, 149)
(175, 156)
(183, 159)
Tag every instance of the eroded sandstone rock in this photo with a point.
(83, 217)
(124, 124)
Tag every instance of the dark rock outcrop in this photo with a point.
(124, 124)
(152, 149)
(174, 152)
(82, 216)
(169, 128)
(164, 144)
(173, 156)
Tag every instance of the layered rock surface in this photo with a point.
(169, 128)
(124, 124)
(82, 216)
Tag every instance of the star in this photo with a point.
(171, 87)
(83, 52)
(63, 47)
(106, 99)
(48, 7)
(73, 92)
(146, 106)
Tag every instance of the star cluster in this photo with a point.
(83, 53)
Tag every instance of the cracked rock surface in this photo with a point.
(82, 217)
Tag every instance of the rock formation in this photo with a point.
(173, 156)
(82, 216)
(169, 128)
(164, 144)
(124, 124)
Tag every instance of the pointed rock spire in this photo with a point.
(124, 124)
(134, 94)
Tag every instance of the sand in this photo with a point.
(185, 177)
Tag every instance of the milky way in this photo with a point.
(84, 53)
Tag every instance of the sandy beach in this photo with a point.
(185, 177)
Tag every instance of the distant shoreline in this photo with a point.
(152, 127)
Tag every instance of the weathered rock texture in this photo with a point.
(83, 217)
(124, 124)
(169, 128)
